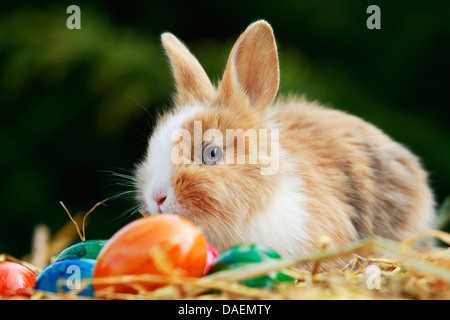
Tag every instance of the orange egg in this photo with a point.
(132, 251)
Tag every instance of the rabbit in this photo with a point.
(335, 175)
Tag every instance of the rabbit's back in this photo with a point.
(354, 176)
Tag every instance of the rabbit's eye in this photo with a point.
(212, 155)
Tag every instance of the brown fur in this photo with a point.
(222, 192)
(355, 176)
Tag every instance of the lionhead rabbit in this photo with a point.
(283, 173)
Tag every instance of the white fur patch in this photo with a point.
(159, 162)
(282, 226)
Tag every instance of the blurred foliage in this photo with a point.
(75, 103)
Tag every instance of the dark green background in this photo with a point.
(76, 103)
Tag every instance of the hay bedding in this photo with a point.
(392, 270)
(404, 273)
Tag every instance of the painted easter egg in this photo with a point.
(67, 275)
(178, 245)
(244, 254)
(211, 255)
(15, 279)
(87, 249)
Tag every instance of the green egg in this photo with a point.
(244, 254)
(86, 249)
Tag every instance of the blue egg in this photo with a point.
(67, 275)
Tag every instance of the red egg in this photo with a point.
(211, 255)
(15, 279)
(129, 251)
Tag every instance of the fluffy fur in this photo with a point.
(338, 176)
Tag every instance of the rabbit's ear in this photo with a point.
(252, 69)
(192, 83)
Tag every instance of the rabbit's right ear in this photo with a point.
(252, 73)
(192, 83)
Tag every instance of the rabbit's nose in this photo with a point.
(161, 200)
(160, 196)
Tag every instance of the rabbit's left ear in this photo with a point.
(192, 83)
(252, 70)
